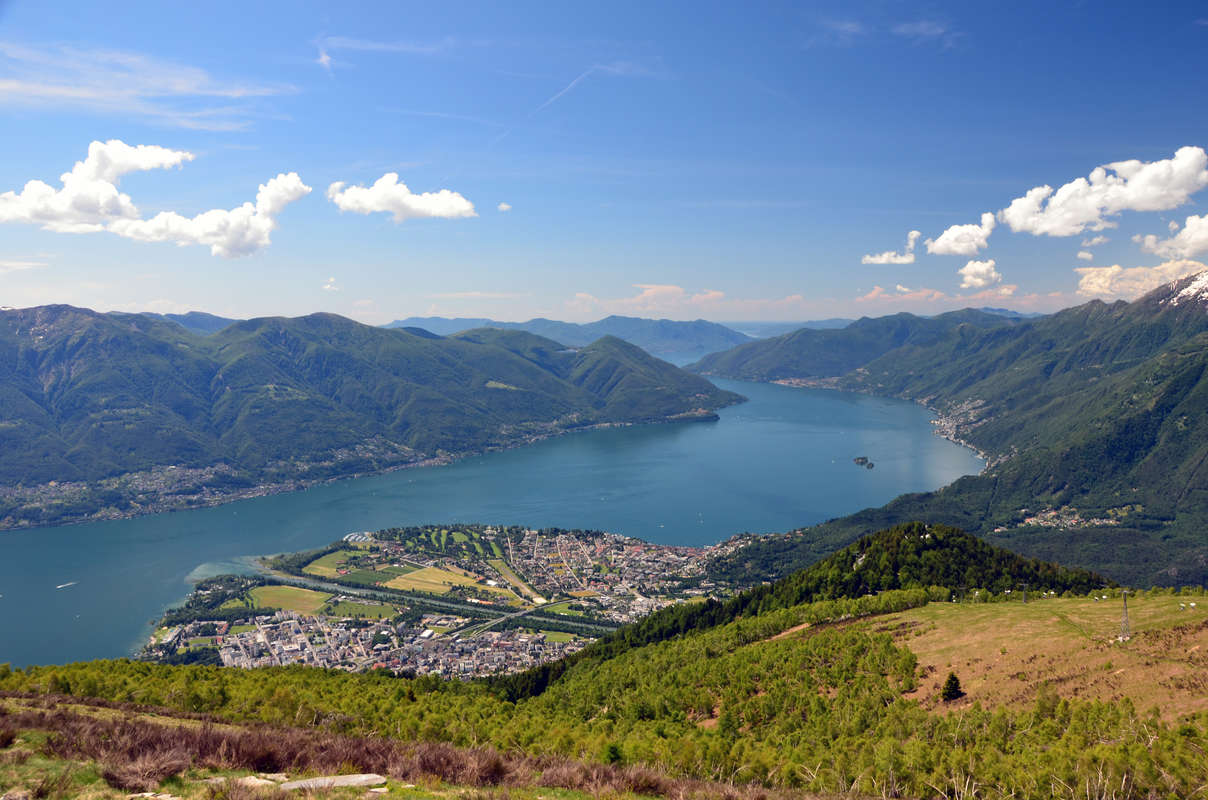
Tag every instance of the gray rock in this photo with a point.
(334, 781)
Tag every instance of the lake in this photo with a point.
(778, 462)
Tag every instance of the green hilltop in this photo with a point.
(1093, 418)
(90, 397)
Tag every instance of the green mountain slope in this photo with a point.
(87, 396)
(909, 556)
(810, 353)
(1095, 422)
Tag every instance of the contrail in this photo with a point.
(565, 89)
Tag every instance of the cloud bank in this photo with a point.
(390, 195)
(1116, 282)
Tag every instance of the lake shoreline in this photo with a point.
(946, 424)
(221, 498)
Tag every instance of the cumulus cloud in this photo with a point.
(504, 206)
(1095, 241)
(1083, 255)
(979, 275)
(228, 233)
(390, 195)
(90, 201)
(1117, 282)
(963, 240)
(89, 196)
(891, 257)
(1086, 203)
(1190, 241)
(330, 285)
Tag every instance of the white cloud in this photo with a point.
(1095, 241)
(891, 257)
(1083, 255)
(392, 196)
(1116, 282)
(1173, 225)
(20, 266)
(330, 286)
(238, 232)
(504, 206)
(963, 240)
(131, 84)
(979, 275)
(324, 59)
(89, 197)
(1085, 203)
(1190, 241)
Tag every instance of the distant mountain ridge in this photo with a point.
(1095, 419)
(198, 322)
(92, 397)
(669, 339)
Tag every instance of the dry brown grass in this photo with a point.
(137, 753)
(1004, 652)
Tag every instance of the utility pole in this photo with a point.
(1125, 634)
(1025, 593)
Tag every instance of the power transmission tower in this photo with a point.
(1125, 635)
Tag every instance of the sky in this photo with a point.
(725, 161)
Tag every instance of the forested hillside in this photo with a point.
(810, 353)
(88, 397)
(1094, 419)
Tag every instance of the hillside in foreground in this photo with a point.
(117, 414)
(834, 696)
(1093, 418)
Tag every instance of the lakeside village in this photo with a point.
(450, 601)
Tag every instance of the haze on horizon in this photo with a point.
(768, 162)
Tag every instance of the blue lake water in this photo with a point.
(780, 461)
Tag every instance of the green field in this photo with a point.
(327, 566)
(290, 598)
(439, 581)
(561, 608)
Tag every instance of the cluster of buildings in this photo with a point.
(619, 577)
(430, 648)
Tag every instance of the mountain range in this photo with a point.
(1094, 420)
(673, 340)
(91, 397)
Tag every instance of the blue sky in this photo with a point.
(726, 161)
